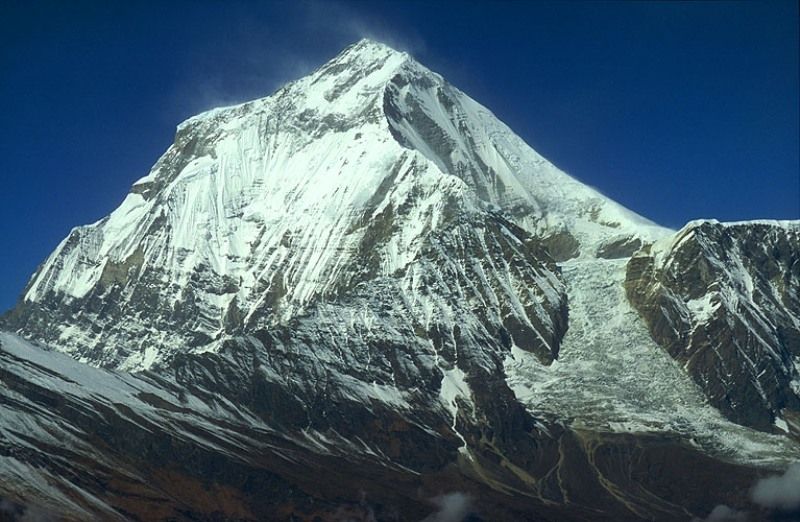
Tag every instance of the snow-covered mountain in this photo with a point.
(262, 212)
(367, 270)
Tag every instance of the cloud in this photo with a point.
(453, 507)
(778, 492)
(781, 492)
(723, 513)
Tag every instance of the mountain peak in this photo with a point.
(360, 163)
(370, 47)
(365, 51)
(368, 274)
(366, 65)
(366, 59)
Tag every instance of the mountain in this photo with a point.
(263, 212)
(364, 292)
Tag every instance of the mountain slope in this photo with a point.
(82, 443)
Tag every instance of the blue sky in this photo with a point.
(676, 110)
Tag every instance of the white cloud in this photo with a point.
(723, 513)
(780, 492)
(453, 507)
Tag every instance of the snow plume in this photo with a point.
(252, 61)
(248, 57)
(344, 23)
(780, 492)
(453, 507)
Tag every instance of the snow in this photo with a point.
(703, 307)
(795, 383)
(122, 393)
(453, 387)
(786, 224)
(38, 485)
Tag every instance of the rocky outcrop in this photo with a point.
(562, 246)
(619, 247)
(724, 300)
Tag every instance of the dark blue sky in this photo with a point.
(676, 110)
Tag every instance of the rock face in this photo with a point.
(724, 300)
(622, 247)
(354, 295)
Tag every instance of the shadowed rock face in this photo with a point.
(725, 301)
(622, 247)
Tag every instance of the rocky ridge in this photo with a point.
(724, 300)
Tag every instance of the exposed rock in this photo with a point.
(562, 246)
(618, 248)
(724, 300)
(92, 444)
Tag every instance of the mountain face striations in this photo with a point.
(364, 293)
